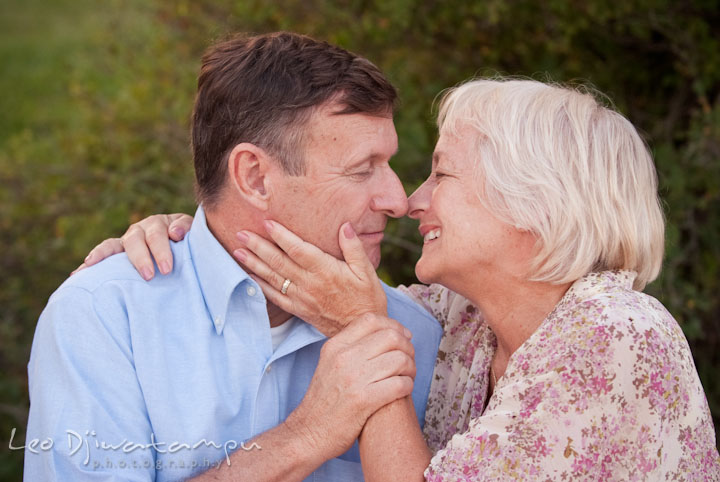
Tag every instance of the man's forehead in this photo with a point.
(352, 138)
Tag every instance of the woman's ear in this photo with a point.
(248, 169)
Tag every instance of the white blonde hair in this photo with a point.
(553, 161)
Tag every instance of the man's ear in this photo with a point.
(248, 169)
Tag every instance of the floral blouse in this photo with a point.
(605, 389)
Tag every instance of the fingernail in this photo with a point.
(243, 237)
(348, 231)
(178, 232)
(87, 258)
(146, 273)
(164, 267)
(269, 225)
(408, 334)
(240, 255)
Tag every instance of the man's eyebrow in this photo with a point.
(370, 158)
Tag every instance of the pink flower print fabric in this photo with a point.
(605, 389)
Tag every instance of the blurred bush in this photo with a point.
(97, 96)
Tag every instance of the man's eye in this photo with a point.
(361, 174)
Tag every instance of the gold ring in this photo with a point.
(285, 286)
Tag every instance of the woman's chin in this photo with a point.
(424, 272)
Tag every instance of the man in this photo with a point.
(167, 379)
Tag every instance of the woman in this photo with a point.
(541, 223)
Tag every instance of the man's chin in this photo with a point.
(373, 254)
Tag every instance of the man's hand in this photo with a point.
(364, 367)
(367, 366)
(143, 241)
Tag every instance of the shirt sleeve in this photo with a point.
(86, 406)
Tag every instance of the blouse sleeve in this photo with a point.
(434, 298)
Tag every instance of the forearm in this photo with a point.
(392, 446)
(282, 453)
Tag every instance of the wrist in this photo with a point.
(305, 439)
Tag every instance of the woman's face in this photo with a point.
(463, 242)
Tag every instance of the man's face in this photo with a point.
(348, 178)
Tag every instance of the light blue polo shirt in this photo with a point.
(161, 380)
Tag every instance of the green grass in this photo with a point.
(38, 41)
(66, 78)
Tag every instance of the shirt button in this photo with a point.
(268, 369)
(251, 290)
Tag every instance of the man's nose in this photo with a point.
(390, 197)
(419, 200)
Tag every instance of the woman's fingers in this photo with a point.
(135, 244)
(158, 242)
(179, 225)
(103, 250)
(267, 260)
(354, 253)
(149, 239)
(304, 254)
(143, 241)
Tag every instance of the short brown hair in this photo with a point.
(262, 89)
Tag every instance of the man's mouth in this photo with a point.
(372, 237)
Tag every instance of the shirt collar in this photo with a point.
(218, 272)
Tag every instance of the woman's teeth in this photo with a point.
(434, 234)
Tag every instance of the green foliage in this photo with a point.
(94, 130)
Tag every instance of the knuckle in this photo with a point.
(329, 348)
(395, 338)
(409, 362)
(102, 247)
(133, 232)
(275, 260)
(153, 235)
(401, 359)
(405, 363)
(402, 386)
(373, 321)
(368, 318)
(406, 385)
(110, 246)
(343, 357)
(294, 251)
(277, 280)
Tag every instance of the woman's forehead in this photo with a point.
(455, 149)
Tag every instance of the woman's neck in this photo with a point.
(514, 309)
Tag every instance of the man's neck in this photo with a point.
(225, 228)
(276, 315)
